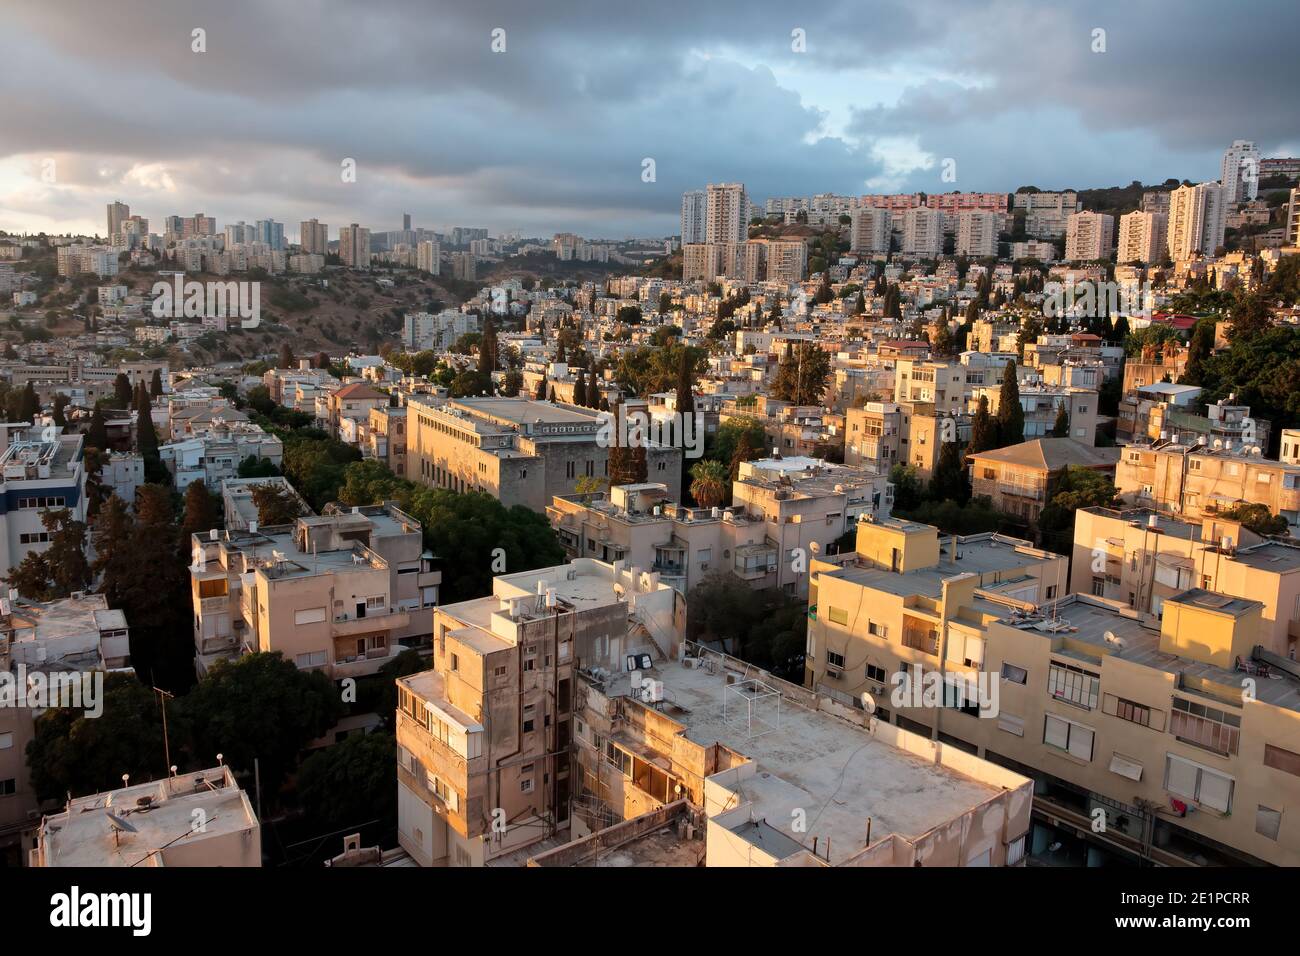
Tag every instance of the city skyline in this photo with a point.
(443, 127)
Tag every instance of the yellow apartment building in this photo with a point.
(1165, 739)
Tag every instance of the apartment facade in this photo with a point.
(518, 450)
(1196, 221)
(484, 736)
(1195, 480)
(1021, 479)
(1142, 558)
(70, 639)
(339, 593)
(1089, 236)
(1148, 724)
(1143, 238)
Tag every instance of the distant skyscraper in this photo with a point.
(271, 232)
(406, 222)
(1239, 174)
(1142, 238)
(354, 246)
(1089, 236)
(1293, 218)
(923, 232)
(1196, 220)
(871, 230)
(693, 213)
(428, 255)
(726, 207)
(117, 214)
(314, 237)
(977, 233)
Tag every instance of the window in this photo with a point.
(1189, 780)
(1011, 723)
(6, 741)
(378, 601)
(1132, 712)
(834, 660)
(1284, 760)
(455, 662)
(8, 787)
(1099, 587)
(877, 630)
(309, 615)
(1074, 739)
(837, 615)
(876, 674)
(1017, 675)
(1268, 822)
(1206, 727)
(1051, 592)
(1073, 685)
(528, 726)
(312, 659)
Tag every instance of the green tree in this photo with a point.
(97, 433)
(76, 751)
(949, 479)
(710, 482)
(122, 392)
(1011, 414)
(351, 783)
(200, 514)
(155, 384)
(276, 504)
(907, 486)
(1257, 518)
(984, 429)
(261, 707)
(802, 375)
(464, 530)
(1076, 488)
(487, 350)
(1061, 427)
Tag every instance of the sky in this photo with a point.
(539, 116)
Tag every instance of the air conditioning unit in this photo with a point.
(834, 670)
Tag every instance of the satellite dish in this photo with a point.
(868, 703)
(117, 823)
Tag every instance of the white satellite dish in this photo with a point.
(868, 702)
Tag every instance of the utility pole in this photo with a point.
(163, 697)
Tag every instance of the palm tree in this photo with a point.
(710, 481)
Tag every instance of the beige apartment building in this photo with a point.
(1042, 403)
(70, 640)
(1142, 558)
(1149, 724)
(1021, 479)
(386, 438)
(937, 383)
(190, 819)
(1142, 237)
(1194, 480)
(518, 450)
(353, 403)
(734, 754)
(872, 435)
(643, 527)
(484, 737)
(338, 593)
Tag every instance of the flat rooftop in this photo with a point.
(83, 835)
(837, 772)
(1089, 620)
(523, 410)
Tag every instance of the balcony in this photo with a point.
(1033, 493)
(379, 619)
